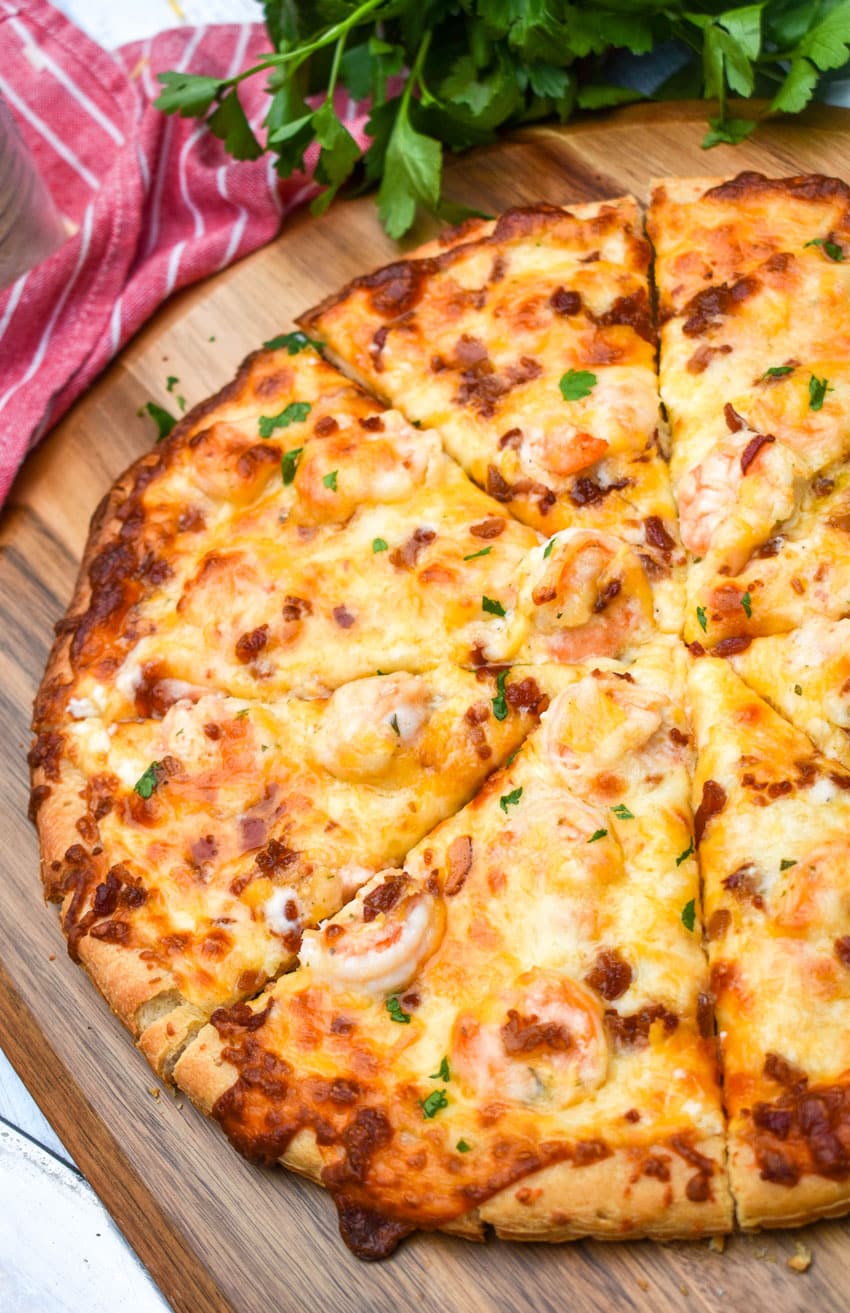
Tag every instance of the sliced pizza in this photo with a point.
(529, 344)
(772, 820)
(190, 852)
(515, 1028)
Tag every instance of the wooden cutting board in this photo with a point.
(216, 1233)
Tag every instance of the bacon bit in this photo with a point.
(250, 644)
(703, 356)
(734, 422)
(801, 1259)
(733, 645)
(343, 617)
(713, 802)
(490, 528)
(405, 556)
(458, 862)
(325, 426)
(565, 302)
(753, 448)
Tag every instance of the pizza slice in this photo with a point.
(772, 819)
(190, 852)
(529, 345)
(514, 1029)
(805, 675)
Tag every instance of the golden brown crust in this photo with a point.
(761, 1203)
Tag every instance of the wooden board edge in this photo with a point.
(159, 1245)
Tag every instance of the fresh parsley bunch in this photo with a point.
(453, 73)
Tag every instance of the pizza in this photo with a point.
(443, 767)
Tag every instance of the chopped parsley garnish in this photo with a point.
(379, 544)
(295, 413)
(485, 551)
(240, 715)
(832, 249)
(170, 384)
(689, 852)
(394, 723)
(703, 623)
(786, 864)
(500, 703)
(396, 1011)
(330, 480)
(689, 914)
(463, 1147)
(778, 371)
(432, 1105)
(747, 604)
(147, 782)
(510, 799)
(491, 607)
(577, 384)
(509, 761)
(443, 1073)
(622, 812)
(798, 689)
(289, 464)
(597, 834)
(163, 418)
(294, 342)
(818, 388)
(547, 550)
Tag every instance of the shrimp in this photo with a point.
(593, 724)
(368, 723)
(377, 946)
(540, 1043)
(721, 507)
(811, 892)
(563, 450)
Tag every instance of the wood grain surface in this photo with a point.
(216, 1233)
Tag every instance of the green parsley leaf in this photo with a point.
(148, 781)
(163, 419)
(509, 761)
(396, 1011)
(187, 94)
(294, 342)
(622, 812)
(230, 123)
(500, 705)
(485, 551)
(597, 834)
(829, 248)
(727, 131)
(576, 384)
(462, 1146)
(689, 914)
(689, 852)
(240, 715)
(413, 166)
(547, 550)
(701, 617)
(379, 545)
(442, 1073)
(491, 607)
(330, 480)
(786, 864)
(778, 371)
(797, 88)
(171, 382)
(394, 724)
(432, 1105)
(289, 464)
(510, 799)
(818, 388)
(295, 413)
(798, 690)
(338, 155)
(747, 604)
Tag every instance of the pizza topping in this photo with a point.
(707, 308)
(367, 722)
(704, 355)
(458, 863)
(753, 448)
(565, 302)
(577, 384)
(713, 802)
(631, 1029)
(593, 723)
(295, 413)
(489, 528)
(818, 388)
(343, 617)
(406, 556)
(610, 975)
(251, 644)
(397, 1012)
(284, 916)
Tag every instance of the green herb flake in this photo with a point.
(295, 413)
(577, 384)
(798, 689)
(689, 852)
(163, 418)
(547, 550)
(330, 480)
(622, 812)
(148, 781)
(703, 623)
(829, 248)
(462, 1146)
(289, 464)
(171, 382)
(485, 551)
(510, 799)
(491, 607)
(379, 545)
(394, 724)
(500, 704)
(747, 604)
(397, 1012)
(818, 388)
(294, 342)
(778, 371)
(432, 1105)
(509, 761)
(597, 834)
(443, 1073)
(689, 914)
(786, 864)
(240, 715)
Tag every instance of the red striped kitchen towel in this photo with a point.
(154, 202)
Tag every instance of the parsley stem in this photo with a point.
(300, 53)
(334, 74)
(416, 72)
